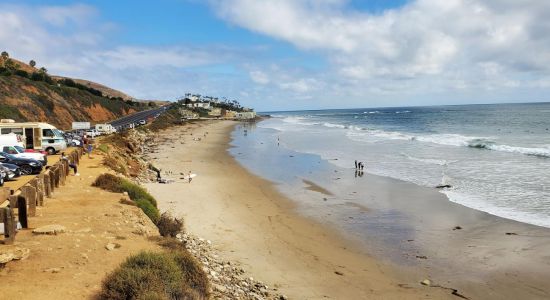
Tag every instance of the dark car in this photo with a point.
(28, 166)
(12, 170)
(3, 174)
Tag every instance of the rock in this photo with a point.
(20, 253)
(6, 257)
(84, 230)
(50, 229)
(443, 186)
(426, 282)
(53, 270)
(112, 246)
(220, 288)
(421, 257)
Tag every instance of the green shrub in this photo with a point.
(136, 192)
(169, 226)
(149, 209)
(146, 275)
(103, 148)
(21, 73)
(139, 195)
(193, 275)
(109, 182)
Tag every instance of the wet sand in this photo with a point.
(250, 221)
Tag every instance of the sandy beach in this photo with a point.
(250, 221)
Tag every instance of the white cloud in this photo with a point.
(467, 41)
(259, 77)
(61, 15)
(49, 36)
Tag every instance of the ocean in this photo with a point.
(496, 158)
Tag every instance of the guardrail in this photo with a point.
(32, 194)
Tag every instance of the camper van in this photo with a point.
(38, 136)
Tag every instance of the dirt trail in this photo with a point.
(71, 265)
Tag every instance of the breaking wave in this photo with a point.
(485, 143)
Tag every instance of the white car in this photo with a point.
(19, 151)
(92, 133)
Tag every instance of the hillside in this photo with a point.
(31, 94)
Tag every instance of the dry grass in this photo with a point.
(139, 195)
(170, 226)
(148, 275)
(109, 182)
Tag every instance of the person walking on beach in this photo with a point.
(356, 164)
(71, 165)
(190, 178)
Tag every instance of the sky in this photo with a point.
(293, 54)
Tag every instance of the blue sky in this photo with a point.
(292, 54)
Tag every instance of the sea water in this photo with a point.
(496, 158)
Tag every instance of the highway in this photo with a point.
(135, 118)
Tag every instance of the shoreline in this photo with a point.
(263, 230)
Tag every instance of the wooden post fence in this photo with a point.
(31, 195)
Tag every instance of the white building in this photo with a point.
(245, 115)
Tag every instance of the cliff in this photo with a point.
(30, 94)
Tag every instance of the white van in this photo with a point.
(38, 136)
(12, 139)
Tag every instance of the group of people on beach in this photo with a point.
(359, 166)
(163, 180)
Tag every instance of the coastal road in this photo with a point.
(135, 118)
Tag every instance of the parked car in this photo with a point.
(19, 151)
(27, 165)
(92, 133)
(3, 175)
(13, 171)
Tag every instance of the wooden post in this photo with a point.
(5, 192)
(56, 176)
(22, 210)
(64, 171)
(30, 194)
(47, 185)
(52, 180)
(13, 201)
(9, 225)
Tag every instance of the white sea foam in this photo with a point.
(440, 162)
(540, 152)
(358, 133)
(476, 202)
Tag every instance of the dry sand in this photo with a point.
(72, 265)
(249, 221)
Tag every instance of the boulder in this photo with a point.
(426, 282)
(50, 229)
(112, 246)
(6, 257)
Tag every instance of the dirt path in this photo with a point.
(71, 265)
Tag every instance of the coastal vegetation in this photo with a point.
(28, 93)
(139, 195)
(174, 274)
